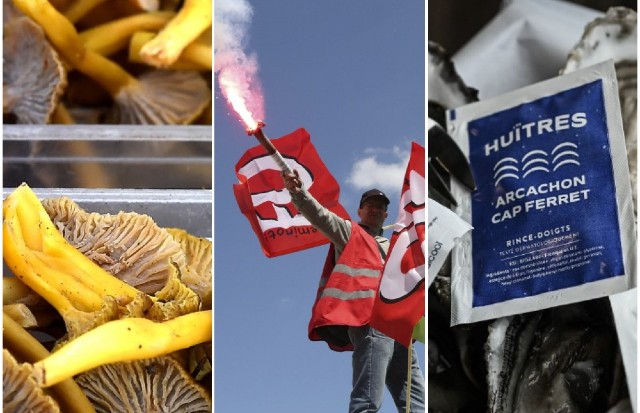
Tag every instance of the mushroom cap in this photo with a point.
(132, 248)
(34, 78)
(19, 390)
(198, 253)
(128, 245)
(151, 385)
(162, 97)
(9, 11)
(174, 299)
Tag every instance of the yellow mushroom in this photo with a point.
(157, 97)
(61, 115)
(21, 314)
(123, 340)
(199, 261)
(24, 346)
(83, 293)
(81, 8)
(158, 384)
(20, 393)
(15, 291)
(193, 18)
(113, 36)
(34, 76)
(196, 56)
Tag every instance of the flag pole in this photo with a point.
(407, 403)
(271, 150)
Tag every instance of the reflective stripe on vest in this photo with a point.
(347, 290)
(354, 272)
(343, 295)
(365, 272)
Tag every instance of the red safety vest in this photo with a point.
(347, 290)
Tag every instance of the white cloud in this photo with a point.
(380, 168)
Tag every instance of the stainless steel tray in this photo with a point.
(108, 156)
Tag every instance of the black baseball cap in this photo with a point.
(371, 193)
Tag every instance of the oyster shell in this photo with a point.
(561, 359)
(614, 36)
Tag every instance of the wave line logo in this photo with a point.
(556, 160)
(533, 163)
(505, 168)
(536, 160)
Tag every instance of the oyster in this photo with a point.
(564, 359)
(614, 36)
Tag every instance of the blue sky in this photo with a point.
(352, 74)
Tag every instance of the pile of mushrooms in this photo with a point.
(72, 341)
(96, 61)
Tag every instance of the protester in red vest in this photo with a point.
(346, 294)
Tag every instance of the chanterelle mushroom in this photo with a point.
(198, 252)
(149, 385)
(113, 36)
(33, 75)
(81, 8)
(128, 245)
(195, 56)
(193, 18)
(20, 394)
(163, 97)
(26, 348)
(132, 248)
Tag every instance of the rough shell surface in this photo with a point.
(614, 36)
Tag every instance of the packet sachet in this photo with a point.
(443, 231)
(552, 215)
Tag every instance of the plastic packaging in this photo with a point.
(552, 216)
(445, 228)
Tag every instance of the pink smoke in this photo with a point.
(236, 71)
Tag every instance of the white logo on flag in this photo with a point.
(395, 283)
(277, 198)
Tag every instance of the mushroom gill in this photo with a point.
(34, 78)
(128, 245)
(149, 385)
(20, 394)
(162, 97)
(198, 252)
(131, 247)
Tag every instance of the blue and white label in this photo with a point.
(544, 213)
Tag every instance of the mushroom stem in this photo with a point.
(64, 37)
(21, 314)
(61, 115)
(90, 174)
(68, 394)
(196, 56)
(17, 261)
(108, 38)
(123, 340)
(14, 291)
(40, 256)
(80, 8)
(192, 19)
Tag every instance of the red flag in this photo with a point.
(400, 301)
(267, 205)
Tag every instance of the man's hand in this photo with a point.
(292, 182)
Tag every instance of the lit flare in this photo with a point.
(238, 97)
